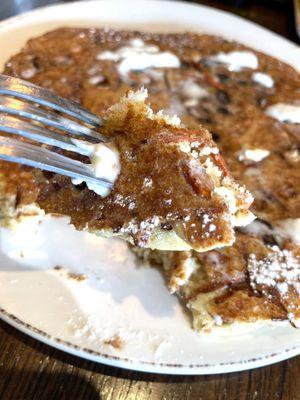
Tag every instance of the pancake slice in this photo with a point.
(171, 189)
(247, 285)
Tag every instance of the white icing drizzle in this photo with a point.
(255, 155)
(139, 56)
(285, 112)
(105, 163)
(263, 79)
(237, 60)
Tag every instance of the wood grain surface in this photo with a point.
(30, 370)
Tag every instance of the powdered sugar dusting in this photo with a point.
(146, 227)
(147, 183)
(124, 201)
(280, 270)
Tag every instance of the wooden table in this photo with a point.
(30, 370)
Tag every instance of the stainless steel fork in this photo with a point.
(28, 110)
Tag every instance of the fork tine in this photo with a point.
(18, 88)
(25, 110)
(21, 152)
(39, 134)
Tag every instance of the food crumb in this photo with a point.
(76, 277)
(114, 341)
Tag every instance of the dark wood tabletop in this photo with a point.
(30, 370)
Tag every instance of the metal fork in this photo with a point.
(25, 100)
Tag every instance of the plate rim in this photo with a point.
(122, 362)
(143, 365)
(174, 3)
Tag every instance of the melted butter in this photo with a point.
(255, 155)
(105, 164)
(285, 112)
(138, 56)
(237, 60)
(263, 79)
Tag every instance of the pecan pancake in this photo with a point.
(250, 282)
(247, 100)
(170, 189)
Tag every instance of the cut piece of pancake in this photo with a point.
(171, 191)
(249, 283)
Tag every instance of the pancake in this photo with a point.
(248, 284)
(170, 189)
(248, 101)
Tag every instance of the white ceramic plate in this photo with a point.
(122, 313)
